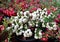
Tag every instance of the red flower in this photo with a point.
(1, 28)
(57, 20)
(9, 12)
(44, 39)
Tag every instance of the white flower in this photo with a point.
(14, 30)
(45, 16)
(15, 20)
(16, 26)
(40, 34)
(13, 24)
(34, 12)
(42, 13)
(28, 30)
(34, 16)
(50, 28)
(54, 28)
(16, 17)
(21, 12)
(41, 17)
(39, 10)
(46, 13)
(41, 20)
(54, 25)
(8, 28)
(49, 15)
(17, 13)
(45, 9)
(27, 33)
(20, 27)
(38, 15)
(35, 30)
(36, 37)
(30, 24)
(20, 20)
(43, 25)
(26, 12)
(36, 25)
(47, 24)
(21, 31)
(24, 35)
(30, 14)
(24, 20)
(30, 33)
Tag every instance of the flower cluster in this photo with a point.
(25, 23)
(9, 12)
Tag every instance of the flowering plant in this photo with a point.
(35, 23)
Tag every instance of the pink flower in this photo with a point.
(24, 5)
(32, 3)
(1, 28)
(47, 35)
(38, 5)
(53, 8)
(9, 12)
(58, 16)
(44, 39)
(48, 12)
(6, 40)
(33, 9)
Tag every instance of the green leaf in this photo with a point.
(46, 19)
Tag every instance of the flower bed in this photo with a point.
(31, 21)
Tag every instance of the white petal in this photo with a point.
(8, 28)
(36, 37)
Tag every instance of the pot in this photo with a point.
(18, 39)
